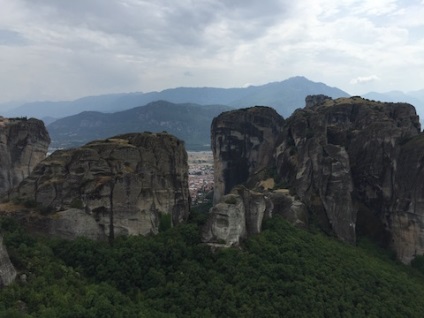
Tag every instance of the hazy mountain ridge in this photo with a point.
(88, 119)
(284, 96)
(415, 98)
(189, 122)
(394, 96)
(58, 109)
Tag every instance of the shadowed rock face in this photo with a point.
(242, 143)
(355, 165)
(404, 213)
(118, 186)
(23, 144)
(7, 271)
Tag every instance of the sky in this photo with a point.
(63, 50)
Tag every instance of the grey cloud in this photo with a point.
(164, 22)
(77, 47)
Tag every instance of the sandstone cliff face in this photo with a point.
(7, 271)
(352, 165)
(23, 144)
(118, 186)
(242, 142)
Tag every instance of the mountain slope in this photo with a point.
(189, 122)
(106, 103)
(284, 96)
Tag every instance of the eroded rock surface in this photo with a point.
(23, 144)
(7, 271)
(117, 186)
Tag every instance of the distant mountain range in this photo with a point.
(189, 122)
(101, 116)
(415, 98)
(178, 111)
(284, 96)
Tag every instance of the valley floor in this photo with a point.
(200, 175)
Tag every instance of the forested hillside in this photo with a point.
(189, 122)
(284, 271)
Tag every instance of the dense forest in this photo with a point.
(282, 272)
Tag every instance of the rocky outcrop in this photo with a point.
(351, 166)
(238, 215)
(118, 186)
(23, 144)
(7, 271)
(242, 142)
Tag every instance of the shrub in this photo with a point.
(76, 204)
(165, 222)
(231, 199)
(418, 263)
(30, 203)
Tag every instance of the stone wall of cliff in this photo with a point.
(242, 142)
(343, 152)
(355, 164)
(117, 186)
(23, 144)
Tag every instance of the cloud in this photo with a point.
(68, 49)
(365, 79)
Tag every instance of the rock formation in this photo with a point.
(241, 212)
(237, 216)
(242, 142)
(117, 186)
(341, 156)
(354, 165)
(23, 144)
(7, 271)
